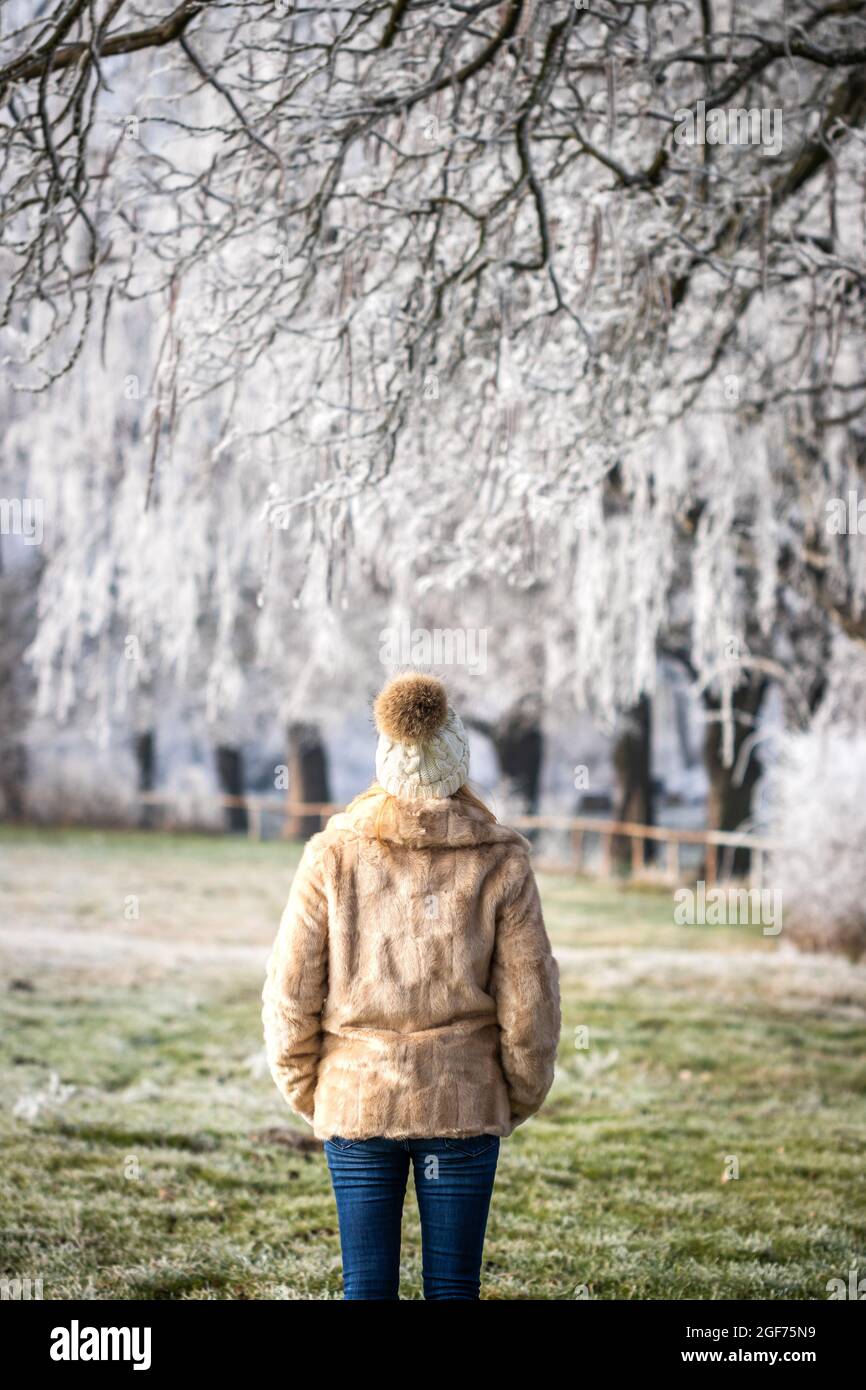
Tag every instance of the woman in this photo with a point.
(411, 1007)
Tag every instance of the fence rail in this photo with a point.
(579, 828)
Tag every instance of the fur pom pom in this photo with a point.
(411, 709)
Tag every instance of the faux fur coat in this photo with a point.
(412, 990)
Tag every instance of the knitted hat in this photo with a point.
(423, 750)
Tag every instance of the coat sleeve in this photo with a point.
(295, 987)
(525, 985)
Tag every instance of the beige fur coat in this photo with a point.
(412, 990)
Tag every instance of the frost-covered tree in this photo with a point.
(819, 814)
(558, 299)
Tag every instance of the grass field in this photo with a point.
(146, 1153)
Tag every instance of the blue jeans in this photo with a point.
(453, 1184)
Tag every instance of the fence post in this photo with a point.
(756, 868)
(674, 860)
(606, 852)
(577, 845)
(638, 854)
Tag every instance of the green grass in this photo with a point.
(173, 1170)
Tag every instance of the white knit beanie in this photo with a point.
(423, 751)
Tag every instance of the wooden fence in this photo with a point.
(608, 831)
(579, 829)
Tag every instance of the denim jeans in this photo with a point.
(453, 1184)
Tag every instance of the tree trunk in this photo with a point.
(145, 757)
(308, 777)
(632, 760)
(688, 752)
(519, 745)
(13, 780)
(729, 803)
(230, 771)
(518, 742)
(19, 588)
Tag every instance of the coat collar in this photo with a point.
(435, 823)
